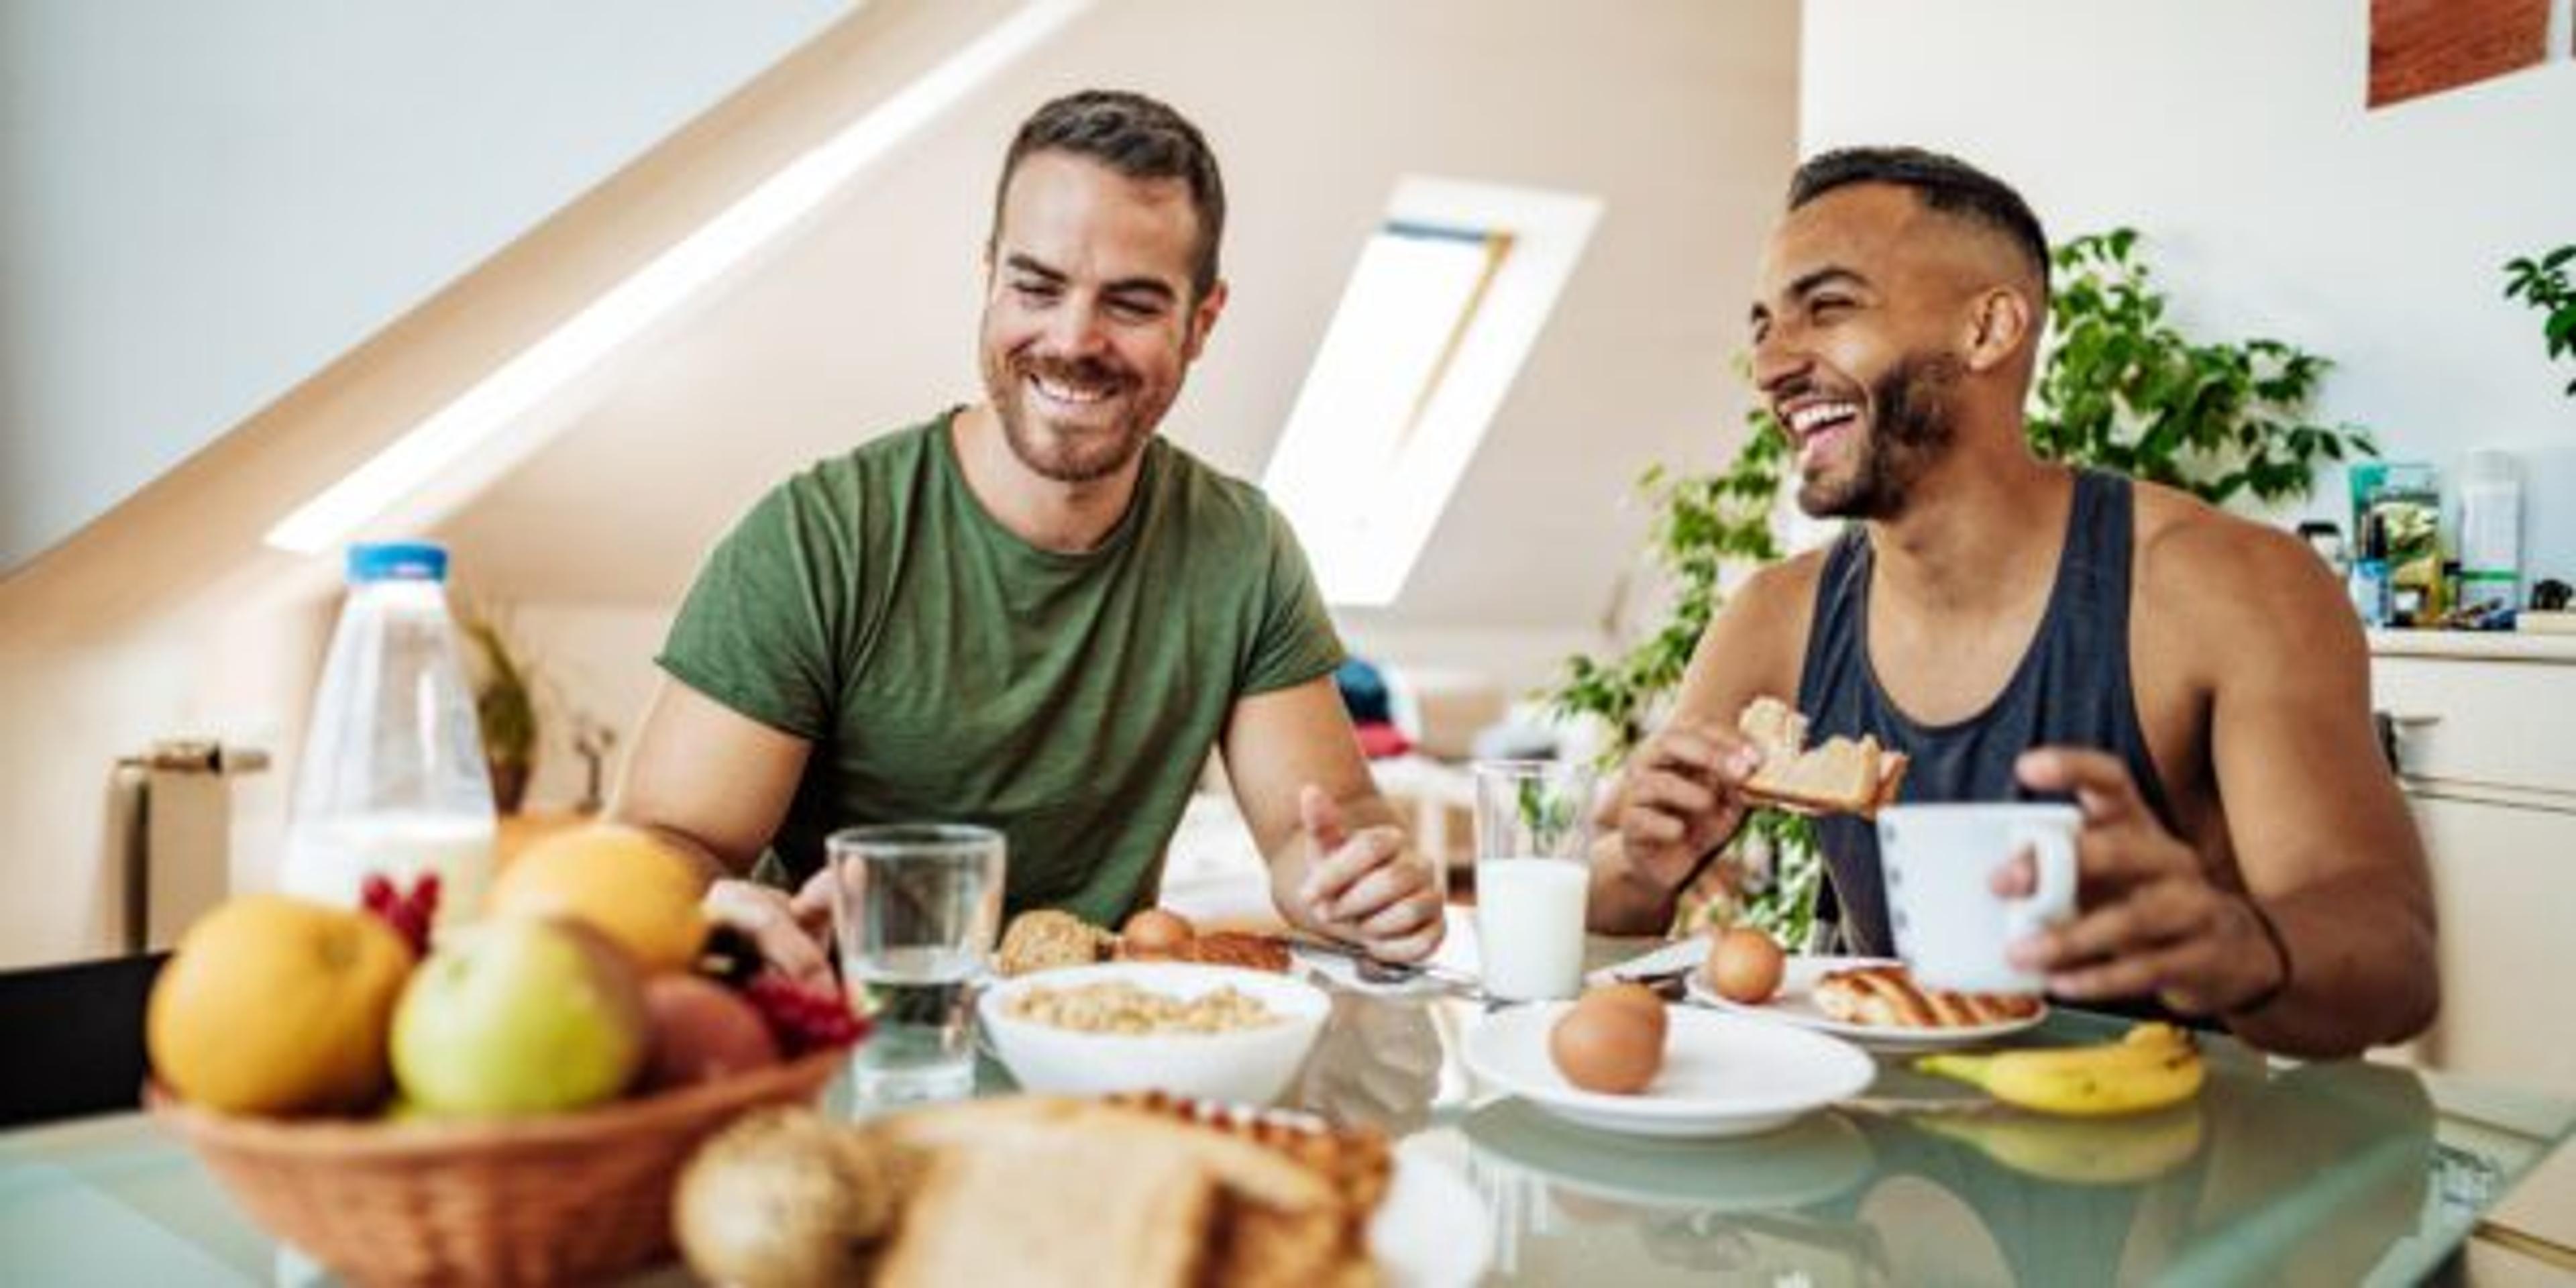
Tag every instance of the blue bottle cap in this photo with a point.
(398, 561)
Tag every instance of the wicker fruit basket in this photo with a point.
(563, 1199)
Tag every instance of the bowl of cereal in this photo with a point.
(1210, 1032)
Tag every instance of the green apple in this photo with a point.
(519, 1016)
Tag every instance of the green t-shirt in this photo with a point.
(947, 671)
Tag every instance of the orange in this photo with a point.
(624, 882)
(274, 1005)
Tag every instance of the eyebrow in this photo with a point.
(1154, 286)
(1808, 283)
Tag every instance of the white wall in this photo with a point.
(201, 204)
(2235, 138)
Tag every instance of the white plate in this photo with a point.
(1723, 1075)
(1431, 1230)
(1795, 1004)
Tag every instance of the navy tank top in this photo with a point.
(2071, 689)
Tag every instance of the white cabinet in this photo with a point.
(2485, 753)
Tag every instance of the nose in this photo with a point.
(1779, 361)
(1075, 331)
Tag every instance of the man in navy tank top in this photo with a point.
(2194, 682)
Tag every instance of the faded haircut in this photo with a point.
(1139, 137)
(1942, 182)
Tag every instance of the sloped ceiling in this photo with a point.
(1679, 114)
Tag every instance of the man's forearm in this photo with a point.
(2362, 973)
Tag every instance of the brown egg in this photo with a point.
(1745, 966)
(1607, 1047)
(1636, 998)
(1154, 931)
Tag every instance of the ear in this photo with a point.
(1203, 318)
(2000, 326)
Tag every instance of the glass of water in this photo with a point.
(916, 907)
(1533, 875)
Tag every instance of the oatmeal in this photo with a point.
(1119, 1007)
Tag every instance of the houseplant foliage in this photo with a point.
(505, 705)
(2120, 388)
(2542, 283)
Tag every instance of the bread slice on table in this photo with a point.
(1077, 1209)
(1838, 776)
(1268, 1221)
(1887, 997)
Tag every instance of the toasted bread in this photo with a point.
(1839, 776)
(1888, 997)
(1145, 1216)
(1221, 948)
(1276, 1221)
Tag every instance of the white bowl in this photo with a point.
(1247, 1066)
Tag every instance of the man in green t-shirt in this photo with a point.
(1032, 613)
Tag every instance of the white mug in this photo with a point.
(1938, 860)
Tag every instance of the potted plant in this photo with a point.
(2542, 283)
(2120, 388)
(505, 704)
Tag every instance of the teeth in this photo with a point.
(1805, 419)
(1069, 393)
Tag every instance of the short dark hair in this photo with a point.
(1944, 183)
(1139, 137)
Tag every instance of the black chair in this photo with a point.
(75, 1038)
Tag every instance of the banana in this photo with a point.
(2121, 1151)
(2151, 1066)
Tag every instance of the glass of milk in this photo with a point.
(1533, 874)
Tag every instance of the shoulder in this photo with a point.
(1207, 501)
(1760, 635)
(2230, 583)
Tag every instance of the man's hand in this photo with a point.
(789, 930)
(1682, 797)
(1369, 887)
(2149, 919)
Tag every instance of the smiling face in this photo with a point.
(1869, 320)
(1089, 321)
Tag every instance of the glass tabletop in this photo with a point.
(2331, 1173)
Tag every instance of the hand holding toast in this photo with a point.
(1683, 796)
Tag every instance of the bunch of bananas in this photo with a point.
(2151, 1066)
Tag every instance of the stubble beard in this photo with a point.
(1079, 456)
(1912, 424)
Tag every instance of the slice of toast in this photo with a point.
(1838, 776)
(1075, 1209)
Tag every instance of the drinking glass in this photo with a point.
(916, 907)
(1533, 875)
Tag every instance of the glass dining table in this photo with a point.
(2346, 1172)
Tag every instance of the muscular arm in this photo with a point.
(2322, 848)
(1340, 864)
(2322, 836)
(1676, 798)
(707, 776)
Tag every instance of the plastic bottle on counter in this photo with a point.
(2490, 531)
(392, 781)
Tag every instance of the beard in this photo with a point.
(1067, 453)
(1912, 422)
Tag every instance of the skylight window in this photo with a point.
(1449, 294)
